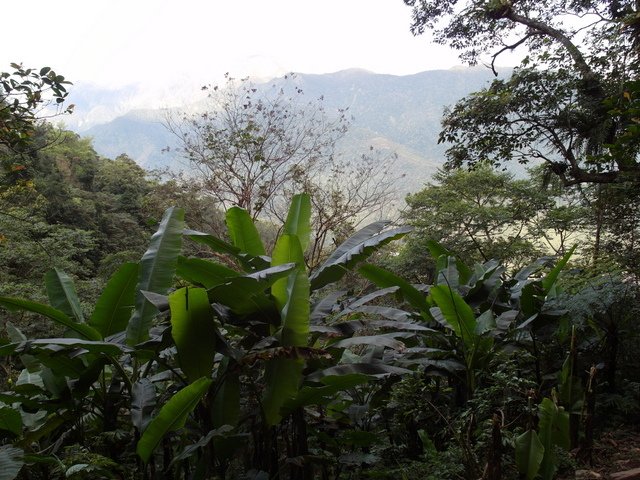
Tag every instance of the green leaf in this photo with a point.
(385, 279)
(299, 219)
(10, 420)
(287, 250)
(11, 462)
(226, 404)
(56, 315)
(243, 232)
(194, 331)
(113, 308)
(295, 313)
(204, 272)
(355, 249)
(62, 294)
(246, 294)
(529, 453)
(171, 416)
(156, 273)
(292, 293)
(282, 378)
(440, 253)
(554, 430)
(550, 279)
(456, 312)
(249, 262)
(212, 242)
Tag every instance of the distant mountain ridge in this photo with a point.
(399, 114)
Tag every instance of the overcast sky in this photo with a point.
(111, 43)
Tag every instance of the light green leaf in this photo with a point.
(193, 331)
(295, 313)
(56, 315)
(243, 232)
(298, 219)
(204, 272)
(171, 416)
(62, 294)
(113, 308)
(456, 311)
(529, 453)
(156, 273)
(550, 279)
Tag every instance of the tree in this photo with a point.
(571, 102)
(479, 215)
(255, 146)
(28, 95)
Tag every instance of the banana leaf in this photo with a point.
(157, 269)
(113, 309)
(172, 416)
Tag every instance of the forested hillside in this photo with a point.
(256, 317)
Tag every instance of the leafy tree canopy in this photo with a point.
(572, 101)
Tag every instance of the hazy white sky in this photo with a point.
(160, 43)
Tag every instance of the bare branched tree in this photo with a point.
(255, 146)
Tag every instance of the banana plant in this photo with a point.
(472, 312)
(268, 312)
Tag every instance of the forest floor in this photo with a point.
(614, 453)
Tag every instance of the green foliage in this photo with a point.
(24, 92)
(567, 104)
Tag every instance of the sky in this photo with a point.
(160, 43)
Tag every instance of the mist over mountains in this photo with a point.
(391, 113)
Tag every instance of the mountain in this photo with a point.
(392, 113)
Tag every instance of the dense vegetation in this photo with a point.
(179, 328)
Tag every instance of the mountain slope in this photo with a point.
(393, 113)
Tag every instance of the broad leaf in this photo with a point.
(203, 272)
(10, 420)
(385, 279)
(249, 262)
(226, 404)
(286, 251)
(62, 294)
(295, 313)
(113, 308)
(442, 255)
(143, 401)
(456, 311)
(11, 462)
(355, 249)
(550, 279)
(246, 294)
(156, 272)
(377, 340)
(529, 453)
(553, 430)
(56, 315)
(171, 416)
(298, 219)
(193, 330)
(243, 232)
(374, 369)
(282, 378)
